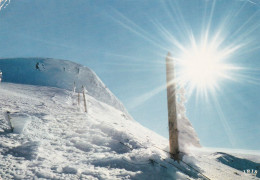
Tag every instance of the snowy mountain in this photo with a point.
(53, 138)
(57, 73)
(63, 74)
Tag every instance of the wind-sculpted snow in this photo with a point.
(54, 139)
(57, 73)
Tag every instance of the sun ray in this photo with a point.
(133, 27)
(245, 24)
(145, 97)
(225, 123)
(205, 38)
(167, 35)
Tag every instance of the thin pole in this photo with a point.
(78, 99)
(74, 87)
(172, 111)
(8, 119)
(84, 98)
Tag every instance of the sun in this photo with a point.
(201, 67)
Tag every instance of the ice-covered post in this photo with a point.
(78, 99)
(84, 98)
(172, 109)
(8, 119)
(74, 87)
(1, 76)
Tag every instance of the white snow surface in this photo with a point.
(54, 139)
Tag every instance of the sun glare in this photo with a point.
(202, 67)
(205, 52)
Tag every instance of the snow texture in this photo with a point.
(54, 139)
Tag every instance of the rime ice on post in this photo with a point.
(1, 76)
(78, 99)
(8, 119)
(84, 98)
(74, 87)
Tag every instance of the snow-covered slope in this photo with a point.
(57, 73)
(63, 74)
(54, 139)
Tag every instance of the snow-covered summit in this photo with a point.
(57, 73)
(54, 139)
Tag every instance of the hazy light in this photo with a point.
(202, 66)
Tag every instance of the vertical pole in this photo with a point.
(74, 87)
(78, 99)
(172, 111)
(84, 98)
(8, 119)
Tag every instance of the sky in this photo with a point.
(126, 42)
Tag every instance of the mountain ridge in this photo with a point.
(57, 73)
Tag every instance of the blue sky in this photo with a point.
(125, 43)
